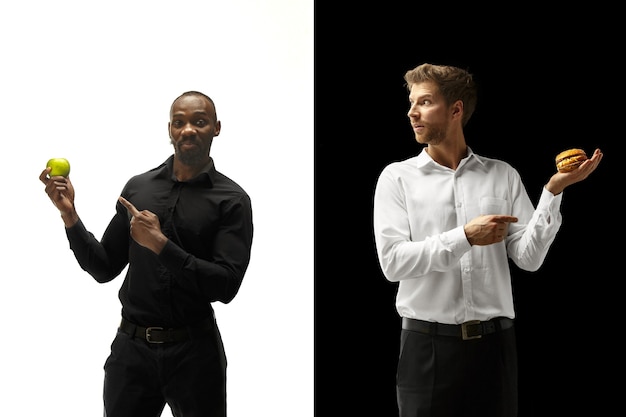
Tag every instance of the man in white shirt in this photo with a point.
(445, 224)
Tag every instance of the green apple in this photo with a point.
(60, 166)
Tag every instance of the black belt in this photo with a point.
(156, 334)
(469, 330)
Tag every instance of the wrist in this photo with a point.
(554, 187)
(70, 218)
(159, 244)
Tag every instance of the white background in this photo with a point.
(92, 82)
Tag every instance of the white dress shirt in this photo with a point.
(420, 209)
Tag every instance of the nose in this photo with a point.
(188, 130)
(412, 111)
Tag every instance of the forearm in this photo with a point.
(217, 280)
(102, 260)
(69, 218)
(401, 258)
(531, 239)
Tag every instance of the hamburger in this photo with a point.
(570, 159)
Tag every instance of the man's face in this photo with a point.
(428, 114)
(193, 125)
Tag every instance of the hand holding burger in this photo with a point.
(573, 165)
(570, 159)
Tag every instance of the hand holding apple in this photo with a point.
(59, 189)
(60, 167)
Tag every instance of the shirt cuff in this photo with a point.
(77, 232)
(173, 257)
(456, 240)
(548, 201)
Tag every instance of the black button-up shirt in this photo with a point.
(208, 221)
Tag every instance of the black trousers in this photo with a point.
(444, 376)
(189, 376)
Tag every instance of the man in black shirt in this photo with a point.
(185, 232)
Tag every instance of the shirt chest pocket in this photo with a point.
(494, 205)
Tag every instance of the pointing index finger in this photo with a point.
(506, 219)
(129, 206)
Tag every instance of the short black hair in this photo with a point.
(195, 93)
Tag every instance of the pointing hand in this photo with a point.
(145, 227)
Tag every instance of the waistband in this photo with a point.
(474, 329)
(156, 334)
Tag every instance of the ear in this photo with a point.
(218, 127)
(457, 109)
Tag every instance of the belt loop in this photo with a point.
(432, 328)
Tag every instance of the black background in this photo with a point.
(547, 83)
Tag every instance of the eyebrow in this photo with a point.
(197, 112)
(421, 96)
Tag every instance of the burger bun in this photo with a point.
(570, 159)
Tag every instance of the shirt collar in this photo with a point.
(471, 154)
(166, 170)
(423, 159)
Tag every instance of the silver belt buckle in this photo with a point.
(467, 333)
(149, 334)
